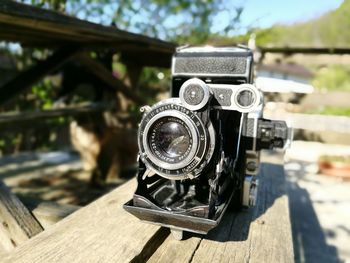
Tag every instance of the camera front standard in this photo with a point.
(199, 150)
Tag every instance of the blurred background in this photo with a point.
(68, 138)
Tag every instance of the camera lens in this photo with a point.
(245, 98)
(173, 140)
(170, 138)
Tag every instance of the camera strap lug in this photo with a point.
(145, 109)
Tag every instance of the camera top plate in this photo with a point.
(212, 62)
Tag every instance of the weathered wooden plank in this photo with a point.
(3, 252)
(22, 34)
(105, 75)
(134, 71)
(53, 23)
(30, 76)
(260, 234)
(49, 213)
(104, 232)
(317, 122)
(306, 50)
(147, 58)
(30, 116)
(17, 223)
(269, 237)
(99, 232)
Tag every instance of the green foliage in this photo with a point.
(43, 94)
(337, 111)
(182, 21)
(335, 77)
(179, 20)
(331, 29)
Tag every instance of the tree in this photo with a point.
(181, 21)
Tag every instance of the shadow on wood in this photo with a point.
(309, 240)
(49, 213)
(104, 232)
(235, 225)
(259, 234)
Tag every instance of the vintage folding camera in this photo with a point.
(199, 150)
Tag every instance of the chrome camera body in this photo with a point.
(199, 150)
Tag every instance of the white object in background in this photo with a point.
(282, 86)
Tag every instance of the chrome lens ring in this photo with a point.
(161, 159)
(200, 142)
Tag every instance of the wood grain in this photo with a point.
(104, 232)
(30, 76)
(259, 234)
(49, 213)
(17, 223)
(33, 116)
(99, 232)
(305, 50)
(106, 76)
(33, 26)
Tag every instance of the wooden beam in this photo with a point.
(101, 231)
(317, 122)
(259, 234)
(15, 118)
(46, 213)
(104, 232)
(32, 19)
(105, 75)
(149, 59)
(49, 213)
(134, 73)
(28, 77)
(22, 34)
(17, 223)
(306, 50)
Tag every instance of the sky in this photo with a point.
(265, 13)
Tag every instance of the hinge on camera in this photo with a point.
(250, 191)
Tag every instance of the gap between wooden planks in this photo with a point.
(104, 232)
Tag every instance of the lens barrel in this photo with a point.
(173, 140)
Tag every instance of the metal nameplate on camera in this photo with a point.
(222, 96)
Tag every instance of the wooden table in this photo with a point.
(104, 232)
